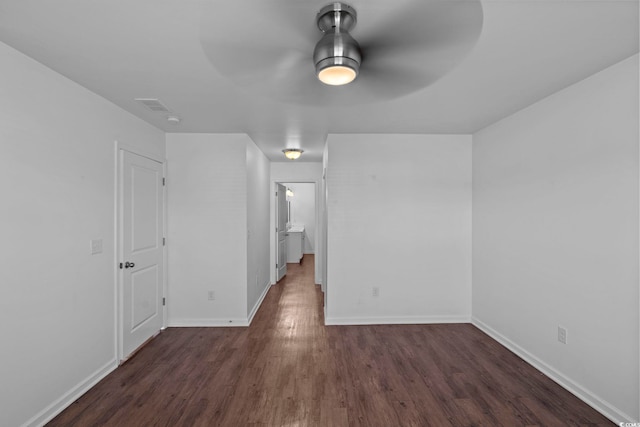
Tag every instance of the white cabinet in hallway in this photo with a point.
(295, 244)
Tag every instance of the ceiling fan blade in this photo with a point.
(270, 51)
(417, 45)
(250, 64)
(422, 23)
(394, 82)
(273, 20)
(286, 75)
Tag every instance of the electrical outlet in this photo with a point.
(375, 291)
(562, 335)
(212, 295)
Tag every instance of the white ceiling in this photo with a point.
(121, 50)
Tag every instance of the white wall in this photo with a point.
(57, 311)
(555, 233)
(207, 229)
(258, 173)
(555, 236)
(303, 211)
(297, 172)
(399, 219)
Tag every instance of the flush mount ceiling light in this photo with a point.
(337, 55)
(292, 153)
(174, 120)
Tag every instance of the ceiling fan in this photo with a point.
(278, 52)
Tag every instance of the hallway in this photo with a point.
(288, 369)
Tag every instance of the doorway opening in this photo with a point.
(298, 213)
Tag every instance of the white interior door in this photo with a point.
(281, 231)
(141, 250)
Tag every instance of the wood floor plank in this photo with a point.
(288, 369)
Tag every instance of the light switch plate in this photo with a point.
(96, 246)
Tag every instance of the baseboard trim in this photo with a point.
(258, 303)
(59, 405)
(600, 405)
(400, 320)
(221, 323)
(207, 323)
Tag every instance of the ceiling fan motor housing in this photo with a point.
(337, 47)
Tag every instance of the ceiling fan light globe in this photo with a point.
(337, 70)
(337, 75)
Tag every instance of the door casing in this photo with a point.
(281, 232)
(118, 239)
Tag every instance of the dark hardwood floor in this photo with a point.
(287, 369)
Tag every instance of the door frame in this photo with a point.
(319, 261)
(118, 239)
(278, 215)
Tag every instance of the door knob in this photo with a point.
(129, 264)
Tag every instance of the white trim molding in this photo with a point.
(258, 303)
(48, 413)
(400, 320)
(600, 405)
(208, 323)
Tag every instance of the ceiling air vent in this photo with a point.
(153, 104)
